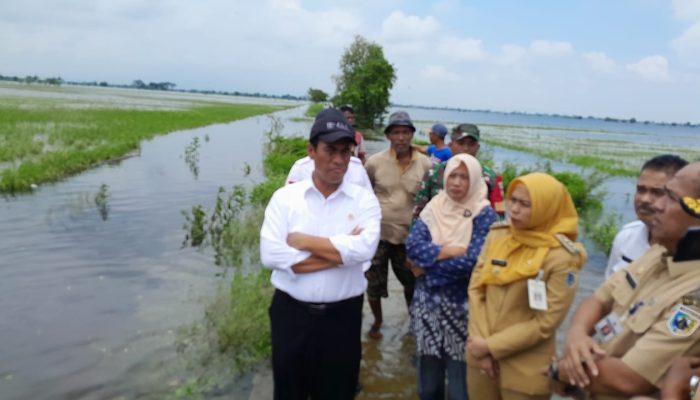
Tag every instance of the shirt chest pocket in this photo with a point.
(643, 319)
(303, 221)
(411, 184)
(623, 289)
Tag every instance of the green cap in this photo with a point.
(462, 131)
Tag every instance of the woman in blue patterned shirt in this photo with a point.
(444, 244)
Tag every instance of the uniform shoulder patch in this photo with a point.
(570, 279)
(500, 225)
(566, 243)
(683, 322)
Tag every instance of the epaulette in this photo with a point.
(500, 225)
(566, 243)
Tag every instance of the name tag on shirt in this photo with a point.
(537, 294)
(608, 328)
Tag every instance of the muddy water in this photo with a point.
(90, 307)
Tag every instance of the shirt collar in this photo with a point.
(678, 268)
(344, 188)
(414, 153)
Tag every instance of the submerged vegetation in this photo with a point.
(192, 156)
(585, 148)
(236, 322)
(101, 201)
(45, 140)
(314, 109)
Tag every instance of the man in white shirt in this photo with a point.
(634, 239)
(317, 237)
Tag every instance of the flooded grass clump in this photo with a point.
(49, 142)
(192, 156)
(585, 148)
(314, 109)
(236, 323)
(101, 201)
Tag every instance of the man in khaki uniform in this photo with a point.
(395, 174)
(644, 317)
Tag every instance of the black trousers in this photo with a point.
(316, 349)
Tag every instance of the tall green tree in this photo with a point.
(317, 95)
(365, 80)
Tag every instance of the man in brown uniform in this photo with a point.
(395, 174)
(643, 317)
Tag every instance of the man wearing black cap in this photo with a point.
(395, 174)
(317, 237)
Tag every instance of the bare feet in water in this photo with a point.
(374, 331)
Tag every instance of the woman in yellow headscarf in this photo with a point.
(521, 290)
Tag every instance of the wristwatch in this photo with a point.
(693, 383)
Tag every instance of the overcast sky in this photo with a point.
(621, 58)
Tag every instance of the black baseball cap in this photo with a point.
(331, 126)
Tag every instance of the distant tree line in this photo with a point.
(29, 79)
(361, 60)
(140, 84)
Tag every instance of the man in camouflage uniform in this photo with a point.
(465, 140)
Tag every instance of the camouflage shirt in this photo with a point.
(433, 181)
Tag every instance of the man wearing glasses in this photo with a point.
(624, 338)
(634, 239)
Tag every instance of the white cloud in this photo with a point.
(653, 68)
(399, 27)
(688, 44)
(687, 10)
(551, 48)
(467, 49)
(440, 73)
(600, 62)
(512, 54)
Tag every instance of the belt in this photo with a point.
(317, 308)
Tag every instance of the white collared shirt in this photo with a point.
(304, 168)
(630, 243)
(302, 208)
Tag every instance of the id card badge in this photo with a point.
(608, 328)
(537, 294)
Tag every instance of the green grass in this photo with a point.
(314, 109)
(48, 142)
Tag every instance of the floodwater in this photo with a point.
(91, 301)
(90, 307)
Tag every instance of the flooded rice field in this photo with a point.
(95, 291)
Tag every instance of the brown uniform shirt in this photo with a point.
(646, 297)
(521, 339)
(396, 189)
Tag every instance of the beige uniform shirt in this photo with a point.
(646, 297)
(521, 339)
(396, 190)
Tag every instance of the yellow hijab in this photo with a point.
(451, 222)
(552, 212)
